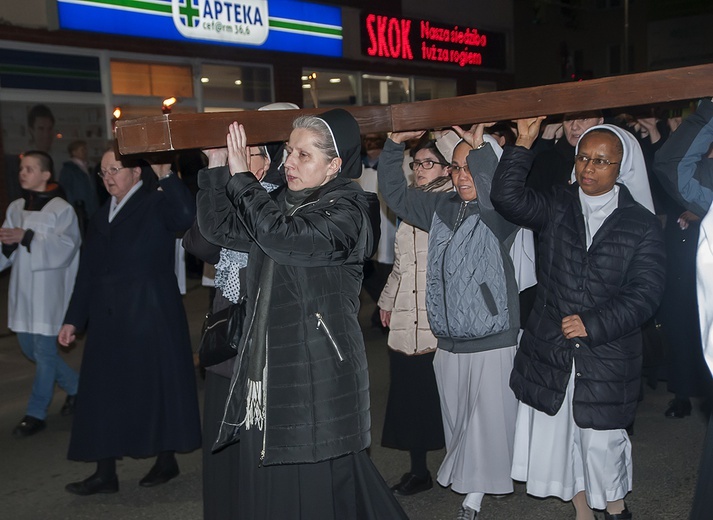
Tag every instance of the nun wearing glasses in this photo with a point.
(473, 310)
(601, 276)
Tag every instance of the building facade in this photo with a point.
(92, 61)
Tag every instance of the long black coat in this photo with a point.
(614, 286)
(317, 389)
(137, 390)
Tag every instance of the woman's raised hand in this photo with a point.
(527, 130)
(474, 135)
(217, 157)
(238, 151)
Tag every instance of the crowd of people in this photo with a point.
(520, 270)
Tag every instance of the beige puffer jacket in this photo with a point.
(405, 291)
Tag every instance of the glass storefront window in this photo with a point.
(384, 90)
(430, 88)
(328, 88)
(133, 78)
(234, 86)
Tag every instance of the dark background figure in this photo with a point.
(554, 159)
(221, 489)
(688, 374)
(137, 391)
(188, 164)
(503, 132)
(79, 183)
(684, 165)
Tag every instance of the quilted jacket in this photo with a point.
(471, 292)
(405, 291)
(614, 287)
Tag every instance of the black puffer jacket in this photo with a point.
(317, 386)
(614, 287)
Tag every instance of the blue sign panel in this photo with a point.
(276, 25)
(49, 71)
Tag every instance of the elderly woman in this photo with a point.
(299, 400)
(601, 276)
(472, 307)
(413, 413)
(137, 392)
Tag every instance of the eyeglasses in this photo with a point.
(111, 171)
(599, 164)
(426, 165)
(457, 169)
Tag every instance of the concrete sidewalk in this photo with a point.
(34, 471)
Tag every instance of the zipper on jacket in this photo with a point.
(209, 327)
(262, 451)
(321, 323)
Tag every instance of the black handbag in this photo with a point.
(221, 334)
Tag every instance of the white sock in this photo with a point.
(473, 500)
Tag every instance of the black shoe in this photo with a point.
(93, 485)
(28, 426)
(159, 475)
(68, 406)
(411, 484)
(624, 515)
(678, 408)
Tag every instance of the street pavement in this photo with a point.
(34, 471)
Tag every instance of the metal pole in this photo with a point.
(626, 37)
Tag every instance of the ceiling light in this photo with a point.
(205, 80)
(335, 80)
(238, 82)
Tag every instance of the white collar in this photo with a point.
(115, 207)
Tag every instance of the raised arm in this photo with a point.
(414, 206)
(310, 237)
(682, 163)
(510, 197)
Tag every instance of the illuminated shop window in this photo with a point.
(134, 78)
(234, 86)
(328, 88)
(385, 90)
(430, 88)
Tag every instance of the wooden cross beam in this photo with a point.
(185, 131)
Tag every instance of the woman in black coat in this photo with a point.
(601, 276)
(137, 391)
(299, 400)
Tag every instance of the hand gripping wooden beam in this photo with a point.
(185, 131)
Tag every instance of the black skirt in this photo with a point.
(413, 411)
(220, 469)
(346, 488)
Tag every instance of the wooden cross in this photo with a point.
(186, 131)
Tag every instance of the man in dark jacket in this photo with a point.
(601, 276)
(685, 167)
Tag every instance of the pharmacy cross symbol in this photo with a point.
(189, 12)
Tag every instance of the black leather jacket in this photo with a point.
(317, 381)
